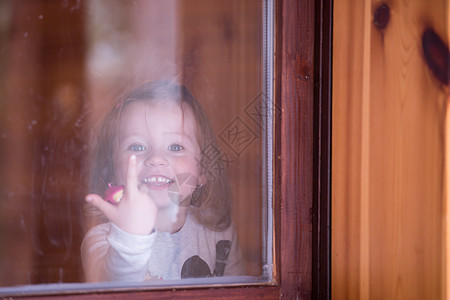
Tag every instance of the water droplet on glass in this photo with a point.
(33, 122)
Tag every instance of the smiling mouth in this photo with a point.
(157, 180)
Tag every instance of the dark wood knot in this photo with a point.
(381, 16)
(436, 55)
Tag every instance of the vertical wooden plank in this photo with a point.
(365, 155)
(321, 236)
(348, 47)
(388, 172)
(406, 137)
(445, 282)
(445, 285)
(295, 47)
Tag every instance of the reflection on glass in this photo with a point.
(84, 85)
(172, 219)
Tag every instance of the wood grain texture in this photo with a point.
(296, 55)
(346, 151)
(446, 221)
(445, 280)
(241, 293)
(388, 153)
(321, 236)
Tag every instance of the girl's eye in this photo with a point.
(137, 148)
(175, 147)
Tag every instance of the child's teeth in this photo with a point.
(159, 180)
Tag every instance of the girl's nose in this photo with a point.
(155, 159)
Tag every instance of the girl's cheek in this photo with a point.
(188, 160)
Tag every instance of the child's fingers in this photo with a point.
(107, 208)
(132, 181)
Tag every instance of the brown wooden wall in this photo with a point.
(390, 92)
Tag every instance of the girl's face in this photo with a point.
(165, 144)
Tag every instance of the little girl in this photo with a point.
(173, 219)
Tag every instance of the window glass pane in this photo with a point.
(181, 85)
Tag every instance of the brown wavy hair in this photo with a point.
(212, 207)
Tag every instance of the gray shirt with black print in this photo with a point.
(111, 254)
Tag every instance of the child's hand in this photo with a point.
(136, 212)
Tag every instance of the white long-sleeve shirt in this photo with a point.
(111, 254)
